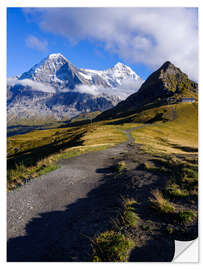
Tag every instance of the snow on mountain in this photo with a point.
(114, 76)
(56, 78)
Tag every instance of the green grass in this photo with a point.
(147, 225)
(128, 217)
(111, 246)
(183, 179)
(186, 216)
(120, 166)
(49, 169)
(159, 203)
(174, 190)
(170, 229)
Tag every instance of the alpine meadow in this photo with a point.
(102, 147)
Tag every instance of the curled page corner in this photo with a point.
(186, 251)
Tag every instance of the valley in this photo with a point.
(120, 185)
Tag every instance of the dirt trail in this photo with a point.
(53, 192)
(53, 217)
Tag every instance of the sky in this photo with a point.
(98, 38)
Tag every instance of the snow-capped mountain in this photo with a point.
(113, 77)
(56, 87)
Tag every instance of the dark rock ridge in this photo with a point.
(165, 85)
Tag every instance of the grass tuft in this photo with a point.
(159, 203)
(147, 226)
(186, 216)
(128, 216)
(111, 246)
(174, 190)
(120, 166)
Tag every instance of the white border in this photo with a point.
(100, 3)
(73, 3)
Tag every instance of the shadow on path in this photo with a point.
(65, 235)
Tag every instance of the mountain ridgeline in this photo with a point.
(56, 88)
(165, 86)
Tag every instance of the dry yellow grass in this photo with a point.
(159, 203)
(108, 135)
(94, 137)
(173, 136)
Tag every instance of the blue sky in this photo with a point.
(99, 38)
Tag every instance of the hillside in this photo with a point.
(140, 191)
(165, 86)
(129, 184)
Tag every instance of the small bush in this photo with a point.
(147, 226)
(170, 229)
(146, 166)
(174, 190)
(161, 204)
(110, 246)
(120, 166)
(130, 219)
(128, 216)
(190, 172)
(129, 202)
(186, 216)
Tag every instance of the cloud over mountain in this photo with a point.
(139, 35)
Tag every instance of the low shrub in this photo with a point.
(120, 166)
(111, 246)
(174, 190)
(186, 216)
(159, 203)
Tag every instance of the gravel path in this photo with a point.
(52, 193)
(52, 217)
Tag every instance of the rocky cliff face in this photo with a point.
(55, 87)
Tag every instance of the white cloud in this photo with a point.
(128, 87)
(146, 35)
(35, 43)
(36, 86)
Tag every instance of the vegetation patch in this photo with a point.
(111, 246)
(170, 229)
(128, 216)
(147, 225)
(160, 204)
(164, 137)
(37, 152)
(120, 166)
(174, 190)
(186, 216)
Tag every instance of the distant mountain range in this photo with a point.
(56, 88)
(166, 85)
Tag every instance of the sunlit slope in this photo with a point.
(178, 134)
(37, 152)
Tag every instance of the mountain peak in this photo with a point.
(166, 82)
(168, 65)
(120, 65)
(55, 56)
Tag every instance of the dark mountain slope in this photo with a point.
(167, 82)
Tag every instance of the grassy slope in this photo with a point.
(174, 130)
(177, 136)
(37, 152)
